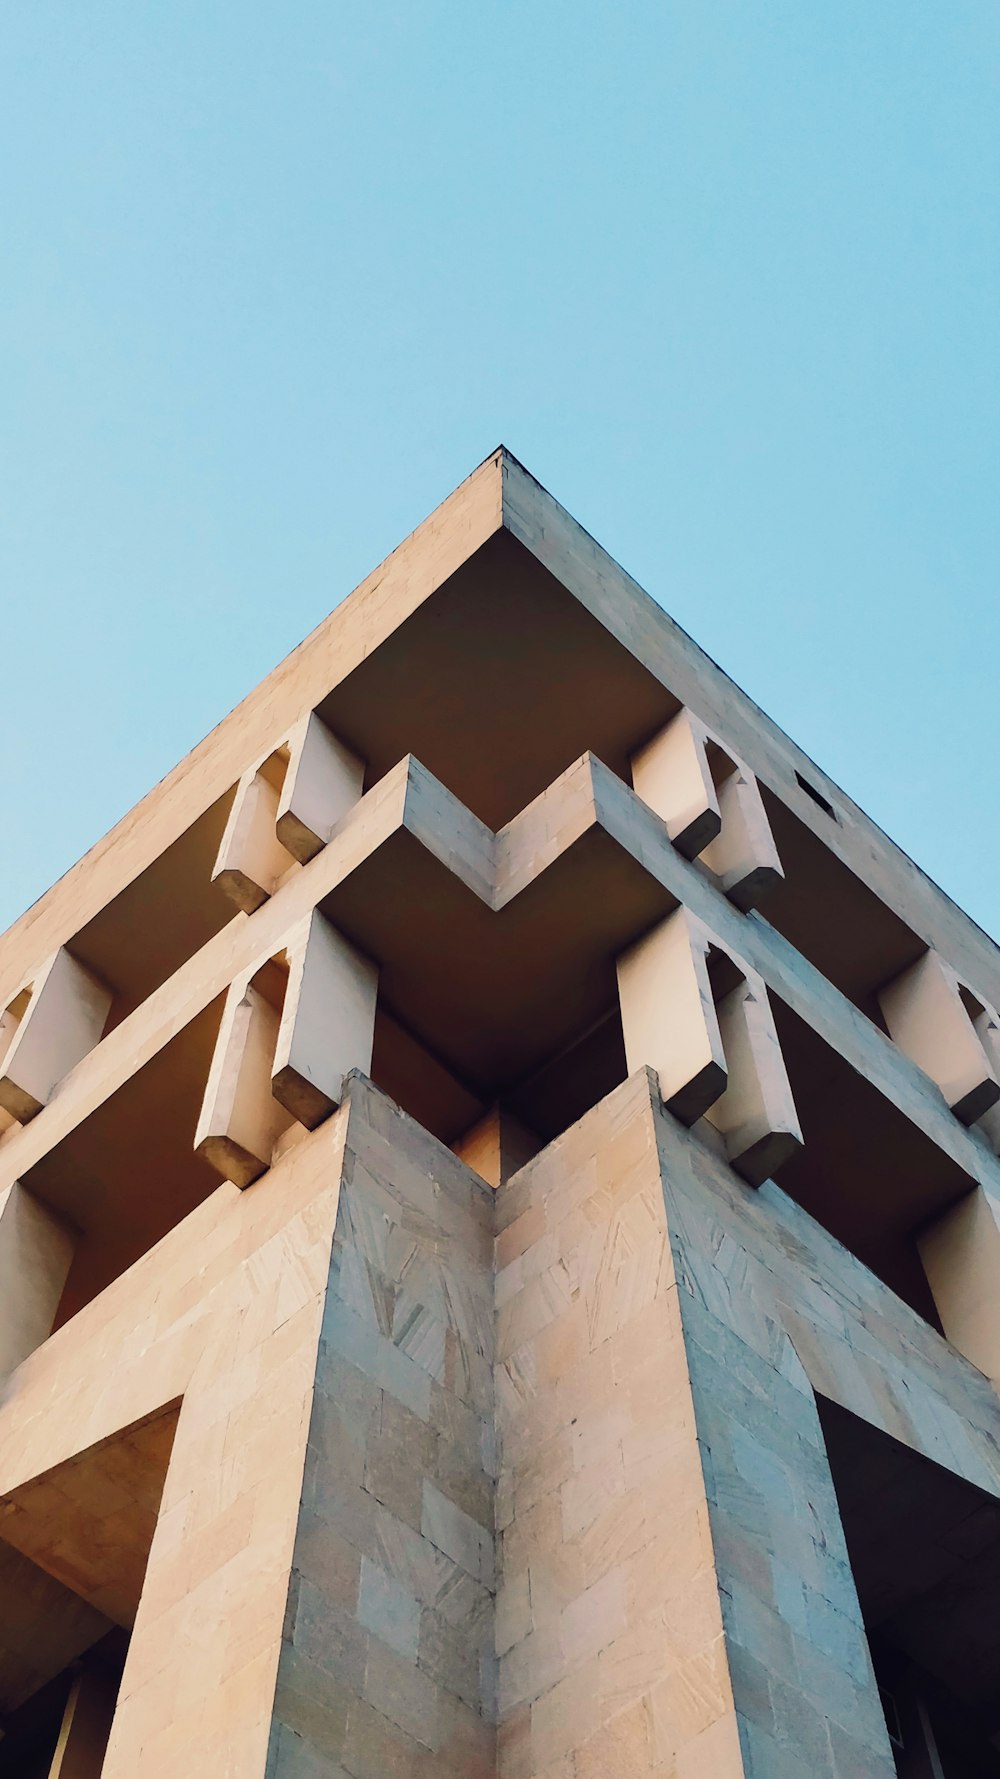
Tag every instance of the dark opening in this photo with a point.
(817, 796)
(924, 1547)
(31, 1732)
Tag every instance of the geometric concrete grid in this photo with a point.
(499, 1228)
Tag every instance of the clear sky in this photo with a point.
(725, 274)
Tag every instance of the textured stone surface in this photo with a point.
(533, 1482)
(672, 1589)
(610, 1628)
(774, 1310)
(387, 1661)
(672, 1563)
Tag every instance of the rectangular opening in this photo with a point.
(924, 1549)
(833, 917)
(73, 1557)
(129, 1173)
(866, 1172)
(817, 796)
(162, 918)
(78, 1702)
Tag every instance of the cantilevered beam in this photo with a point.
(712, 807)
(701, 1018)
(927, 1017)
(671, 773)
(743, 855)
(467, 872)
(50, 1028)
(293, 1026)
(323, 780)
(284, 811)
(252, 860)
(36, 1250)
(327, 1021)
(668, 1016)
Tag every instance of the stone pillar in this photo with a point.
(197, 1694)
(674, 1597)
(609, 1623)
(293, 1027)
(702, 1019)
(48, 1031)
(323, 781)
(386, 1663)
(36, 1250)
(926, 1015)
(711, 805)
(961, 1258)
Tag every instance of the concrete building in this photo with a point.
(499, 1228)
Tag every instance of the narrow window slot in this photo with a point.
(817, 796)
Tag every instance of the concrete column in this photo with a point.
(671, 773)
(712, 807)
(925, 1015)
(251, 859)
(291, 1029)
(961, 1258)
(327, 1020)
(197, 1695)
(674, 1594)
(63, 1017)
(386, 1664)
(609, 1624)
(702, 1020)
(323, 781)
(743, 857)
(36, 1250)
(319, 1593)
(668, 1015)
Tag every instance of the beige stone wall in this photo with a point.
(775, 1312)
(609, 1625)
(322, 1564)
(387, 1661)
(673, 1591)
(223, 1315)
(671, 1559)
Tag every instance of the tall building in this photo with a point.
(499, 1228)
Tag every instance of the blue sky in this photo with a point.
(726, 276)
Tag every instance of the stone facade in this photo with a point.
(387, 1659)
(498, 1229)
